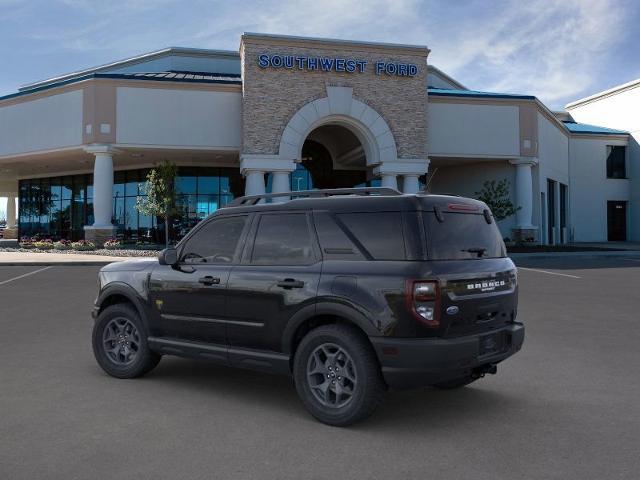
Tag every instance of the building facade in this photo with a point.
(289, 113)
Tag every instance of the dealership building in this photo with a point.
(290, 113)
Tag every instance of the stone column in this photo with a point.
(254, 182)
(11, 211)
(409, 169)
(281, 184)
(524, 198)
(389, 180)
(102, 228)
(11, 232)
(411, 183)
(253, 167)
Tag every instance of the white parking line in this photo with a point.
(550, 273)
(25, 275)
(633, 259)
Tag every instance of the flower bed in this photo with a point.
(83, 245)
(113, 244)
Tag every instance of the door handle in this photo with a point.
(290, 283)
(209, 280)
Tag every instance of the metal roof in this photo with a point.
(186, 77)
(575, 127)
(444, 92)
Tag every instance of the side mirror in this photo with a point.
(168, 256)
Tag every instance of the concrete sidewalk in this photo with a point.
(33, 258)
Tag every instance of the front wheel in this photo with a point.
(120, 343)
(337, 375)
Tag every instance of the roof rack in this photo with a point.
(254, 199)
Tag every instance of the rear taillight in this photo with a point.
(423, 300)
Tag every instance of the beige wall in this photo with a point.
(168, 117)
(272, 96)
(460, 129)
(49, 122)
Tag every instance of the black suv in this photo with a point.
(350, 291)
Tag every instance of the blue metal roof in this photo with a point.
(575, 127)
(188, 77)
(444, 92)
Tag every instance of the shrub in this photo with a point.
(26, 242)
(83, 245)
(43, 244)
(113, 244)
(62, 245)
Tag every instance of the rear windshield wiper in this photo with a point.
(479, 250)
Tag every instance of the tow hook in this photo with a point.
(490, 368)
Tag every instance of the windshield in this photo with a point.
(462, 236)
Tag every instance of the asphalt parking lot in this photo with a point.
(566, 407)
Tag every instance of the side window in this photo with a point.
(283, 239)
(215, 242)
(334, 242)
(380, 233)
(616, 161)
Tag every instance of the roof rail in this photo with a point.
(254, 199)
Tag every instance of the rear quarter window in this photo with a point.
(462, 236)
(380, 233)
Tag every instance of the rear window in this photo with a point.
(462, 236)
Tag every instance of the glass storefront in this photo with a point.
(60, 207)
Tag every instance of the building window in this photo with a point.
(616, 161)
(60, 207)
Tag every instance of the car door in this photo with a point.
(188, 299)
(278, 276)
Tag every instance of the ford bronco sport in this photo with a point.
(350, 291)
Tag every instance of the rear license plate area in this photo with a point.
(490, 344)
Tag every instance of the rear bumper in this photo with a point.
(408, 363)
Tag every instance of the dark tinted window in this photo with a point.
(215, 242)
(334, 242)
(616, 162)
(462, 236)
(379, 233)
(283, 239)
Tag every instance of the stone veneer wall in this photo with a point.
(271, 96)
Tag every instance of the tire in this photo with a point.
(455, 383)
(120, 342)
(358, 388)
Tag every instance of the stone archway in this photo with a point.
(340, 108)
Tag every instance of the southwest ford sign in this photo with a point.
(331, 64)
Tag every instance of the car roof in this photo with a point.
(360, 203)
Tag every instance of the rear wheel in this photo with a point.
(337, 375)
(120, 343)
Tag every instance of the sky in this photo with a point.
(558, 50)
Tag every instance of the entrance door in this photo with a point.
(617, 221)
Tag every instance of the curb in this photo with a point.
(593, 254)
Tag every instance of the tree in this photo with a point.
(160, 199)
(496, 196)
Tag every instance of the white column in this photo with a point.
(389, 180)
(103, 190)
(410, 183)
(280, 184)
(11, 211)
(524, 192)
(254, 182)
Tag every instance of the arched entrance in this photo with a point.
(332, 142)
(334, 158)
